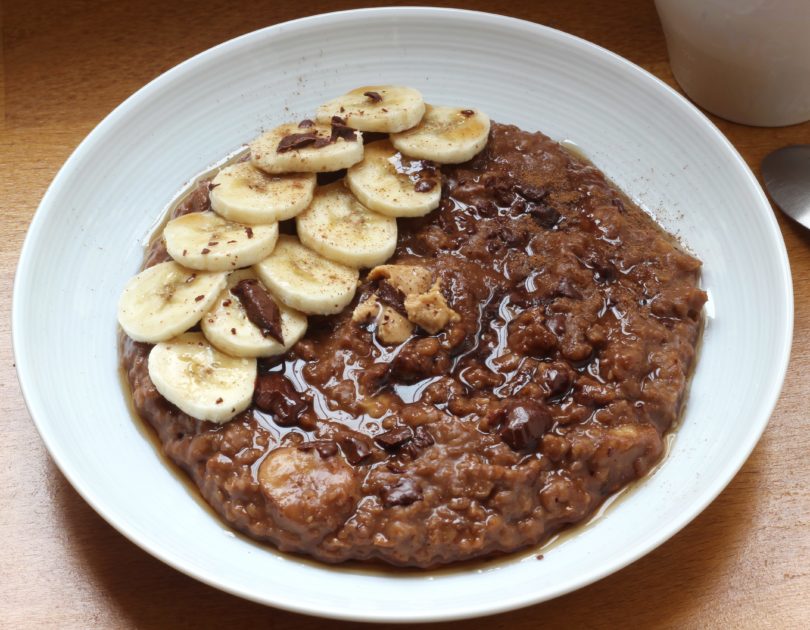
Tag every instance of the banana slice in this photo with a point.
(385, 108)
(316, 148)
(203, 382)
(228, 328)
(342, 229)
(447, 135)
(394, 185)
(204, 240)
(306, 281)
(245, 194)
(166, 300)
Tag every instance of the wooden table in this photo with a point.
(744, 562)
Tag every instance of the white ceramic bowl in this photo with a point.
(84, 243)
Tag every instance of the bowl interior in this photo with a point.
(86, 241)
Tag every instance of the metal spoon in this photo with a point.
(786, 173)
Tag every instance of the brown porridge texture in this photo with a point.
(578, 324)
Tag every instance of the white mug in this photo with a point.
(747, 61)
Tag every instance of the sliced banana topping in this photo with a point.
(165, 300)
(243, 193)
(342, 229)
(200, 380)
(251, 288)
(204, 240)
(384, 108)
(447, 135)
(305, 280)
(312, 148)
(395, 185)
(228, 327)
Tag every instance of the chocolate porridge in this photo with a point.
(547, 355)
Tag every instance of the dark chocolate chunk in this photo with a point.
(404, 492)
(275, 395)
(545, 216)
(297, 141)
(394, 438)
(261, 309)
(604, 272)
(355, 449)
(340, 130)
(525, 421)
(424, 185)
(374, 97)
(531, 193)
(558, 381)
(422, 437)
(408, 451)
(566, 289)
(328, 178)
(325, 448)
(306, 124)
(388, 294)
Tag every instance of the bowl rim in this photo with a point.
(712, 489)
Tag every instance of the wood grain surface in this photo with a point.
(743, 563)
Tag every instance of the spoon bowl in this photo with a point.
(786, 173)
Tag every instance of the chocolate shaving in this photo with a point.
(394, 438)
(211, 185)
(218, 401)
(467, 112)
(260, 308)
(249, 231)
(205, 250)
(388, 294)
(306, 124)
(212, 243)
(325, 448)
(404, 492)
(199, 298)
(193, 276)
(297, 141)
(226, 303)
(355, 449)
(374, 97)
